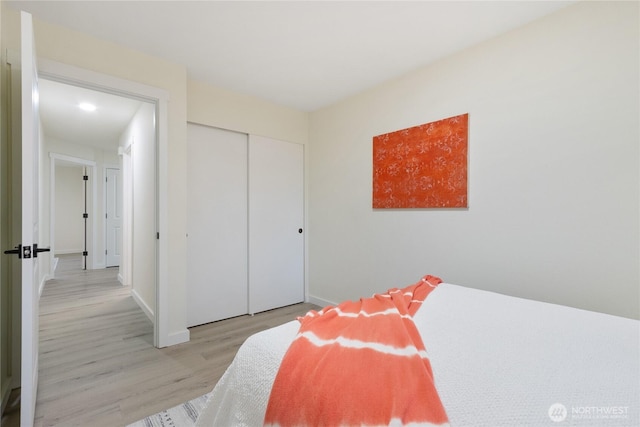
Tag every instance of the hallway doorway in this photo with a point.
(158, 99)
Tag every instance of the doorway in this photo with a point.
(152, 110)
(72, 200)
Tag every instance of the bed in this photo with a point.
(497, 361)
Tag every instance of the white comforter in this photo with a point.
(497, 361)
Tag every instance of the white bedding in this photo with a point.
(497, 361)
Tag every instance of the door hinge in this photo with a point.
(158, 235)
(105, 251)
(85, 215)
(85, 177)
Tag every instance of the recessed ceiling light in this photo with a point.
(86, 106)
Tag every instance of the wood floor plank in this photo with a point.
(98, 366)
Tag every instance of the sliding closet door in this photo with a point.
(216, 224)
(276, 235)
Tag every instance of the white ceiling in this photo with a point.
(63, 120)
(301, 54)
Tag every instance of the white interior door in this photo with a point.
(113, 220)
(30, 273)
(276, 221)
(217, 224)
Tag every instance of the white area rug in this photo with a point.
(184, 415)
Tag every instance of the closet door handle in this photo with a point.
(300, 230)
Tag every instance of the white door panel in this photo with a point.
(26, 212)
(217, 224)
(276, 221)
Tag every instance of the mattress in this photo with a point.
(497, 361)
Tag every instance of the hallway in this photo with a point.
(98, 366)
(93, 337)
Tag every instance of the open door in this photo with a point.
(26, 200)
(30, 195)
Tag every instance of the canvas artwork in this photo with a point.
(423, 166)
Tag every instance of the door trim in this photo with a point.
(105, 202)
(76, 76)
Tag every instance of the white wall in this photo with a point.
(213, 106)
(140, 136)
(69, 207)
(553, 170)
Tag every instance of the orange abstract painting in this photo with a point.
(422, 167)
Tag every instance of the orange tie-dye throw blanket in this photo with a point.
(359, 363)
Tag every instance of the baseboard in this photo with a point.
(68, 251)
(120, 279)
(320, 301)
(145, 308)
(178, 337)
(55, 263)
(174, 338)
(42, 282)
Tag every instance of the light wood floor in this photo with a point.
(98, 366)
